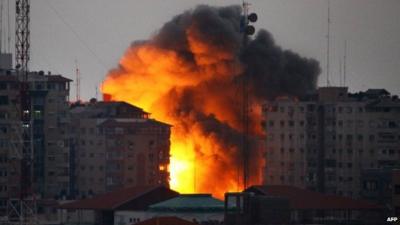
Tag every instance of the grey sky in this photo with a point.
(97, 32)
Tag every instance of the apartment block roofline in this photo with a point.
(138, 197)
(305, 199)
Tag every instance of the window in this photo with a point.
(370, 185)
(3, 85)
(350, 151)
(3, 100)
(3, 115)
(3, 129)
(310, 108)
(349, 137)
(271, 123)
(349, 123)
(291, 123)
(397, 189)
(371, 138)
(282, 123)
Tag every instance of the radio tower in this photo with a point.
(21, 207)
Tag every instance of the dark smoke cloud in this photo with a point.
(274, 72)
(270, 71)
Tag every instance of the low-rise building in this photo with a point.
(112, 207)
(200, 208)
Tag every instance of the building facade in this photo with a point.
(117, 145)
(48, 127)
(322, 141)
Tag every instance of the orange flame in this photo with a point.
(156, 78)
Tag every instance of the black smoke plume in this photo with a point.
(211, 50)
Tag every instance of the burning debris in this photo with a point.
(190, 75)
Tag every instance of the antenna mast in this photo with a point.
(247, 30)
(78, 81)
(344, 63)
(328, 45)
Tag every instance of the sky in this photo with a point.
(94, 34)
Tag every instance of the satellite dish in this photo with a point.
(252, 17)
(250, 30)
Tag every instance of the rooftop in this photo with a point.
(118, 109)
(170, 220)
(306, 199)
(133, 198)
(189, 202)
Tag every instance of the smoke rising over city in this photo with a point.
(190, 74)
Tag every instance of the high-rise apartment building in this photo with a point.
(324, 140)
(48, 97)
(117, 145)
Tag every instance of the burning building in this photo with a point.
(190, 74)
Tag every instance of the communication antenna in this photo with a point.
(96, 89)
(247, 30)
(1, 26)
(78, 81)
(344, 62)
(340, 72)
(8, 27)
(328, 45)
